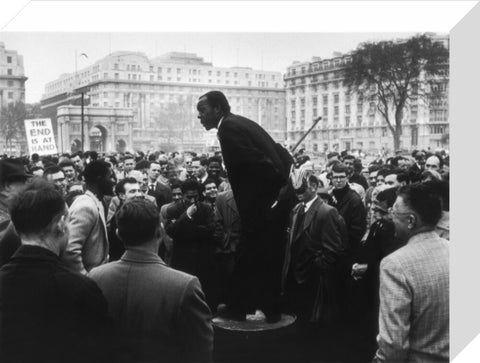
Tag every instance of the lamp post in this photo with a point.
(82, 121)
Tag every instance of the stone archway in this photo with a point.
(98, 138)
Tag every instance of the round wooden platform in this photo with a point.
(254, 323)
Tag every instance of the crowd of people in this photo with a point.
(127, 256)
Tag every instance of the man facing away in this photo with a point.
(159, 313)
(414, 283)
(47, 313)
(258, 169)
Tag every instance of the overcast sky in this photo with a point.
(47, 55)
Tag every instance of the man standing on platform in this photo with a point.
(257, 168)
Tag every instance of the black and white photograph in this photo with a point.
(224, 196)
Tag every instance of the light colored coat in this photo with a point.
(414, 302)
(87, 242)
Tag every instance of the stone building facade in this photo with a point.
(350, 120)
(162, 94)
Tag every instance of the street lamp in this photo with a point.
(83, 98)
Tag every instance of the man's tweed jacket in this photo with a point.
(414, 302)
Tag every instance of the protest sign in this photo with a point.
(40, 137)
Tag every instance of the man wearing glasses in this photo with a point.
(414, 283)
(350, 206)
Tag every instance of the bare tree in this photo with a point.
(12, 124)
(391, 71)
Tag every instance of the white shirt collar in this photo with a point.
(308, 204)
(219, 123)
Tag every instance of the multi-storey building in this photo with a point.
(12, 86)
(351, 120)
(162, 93)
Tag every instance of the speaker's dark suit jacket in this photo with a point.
(257, 168)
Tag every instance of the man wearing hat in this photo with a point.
(12, 181)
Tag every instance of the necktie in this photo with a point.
(300, 218)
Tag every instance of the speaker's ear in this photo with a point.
(117, 233)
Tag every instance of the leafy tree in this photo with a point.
(12, 124)
(391, 71)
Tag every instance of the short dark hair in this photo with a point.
(95, 170)
(340, 168)
(66, 163)
(120, 187)
(332, 154)
(142, 164)
(52, 170)
(349, 157)
(175, 184)
(215, 159)
(78, 153)
(388, 196)
(93, 155)
(137, 221)
(207, 181)
(424, 200)
(217, 99)
(128, 156)
(191, 184)
(34, 209)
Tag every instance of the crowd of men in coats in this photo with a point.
(126, 257)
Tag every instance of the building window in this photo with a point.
(218, 73)
(169, 70)
(9, 59)
(335, 111)
(336, 98)
(9, 72)
(292, 102)
(10, 83)
(314, 100)
(347, 109)
(302, 102)
(293, 115)
(10, 95)
(325, 100)
(359, 120)
(347, 121)
(302, 115)
(116, 75)
(325, 112)
(314, 112)
(134, 76)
